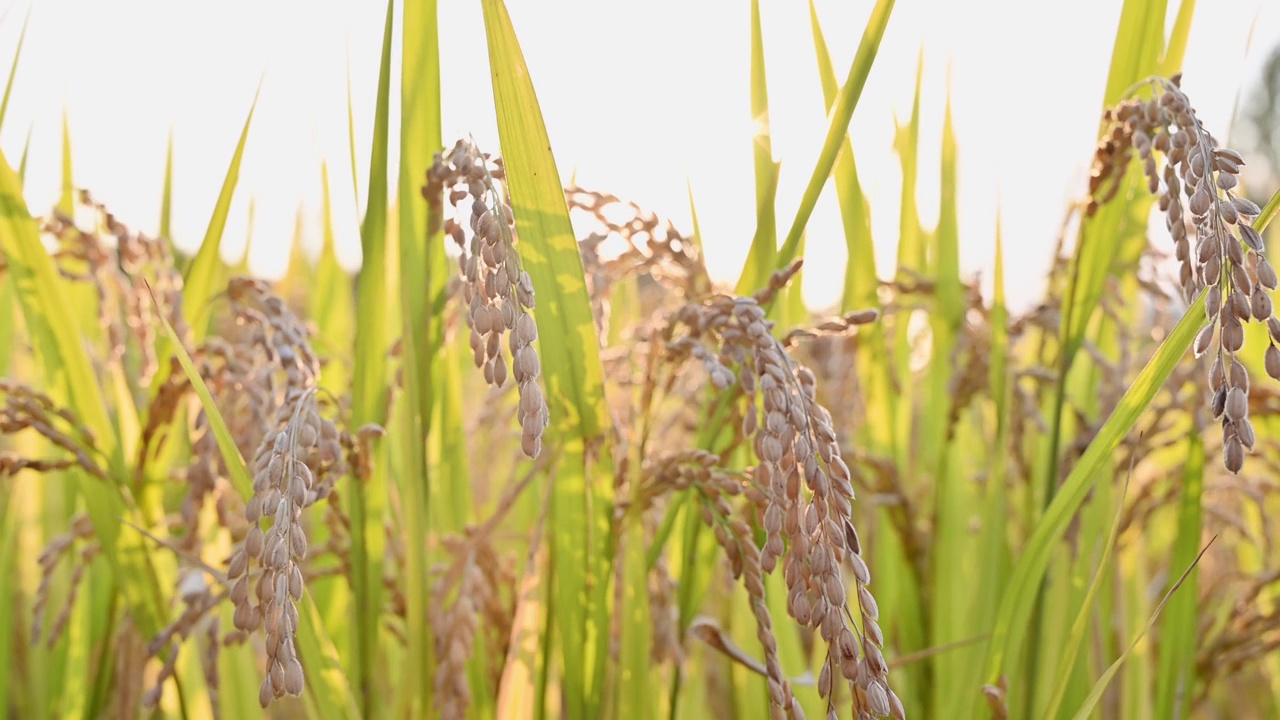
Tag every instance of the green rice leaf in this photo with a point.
(948, 315)
(703, 281)
(54, 332)
(299, 275)
(636, 673)
(760, 260)
(855, 211)
(203, 274)
(8, 323)
(860, 279)
(13, 69)
(1075, 638)
(9, 593)
(327, 689)
(840, 117)
(950, 288)
(369, 393)
(574, 376)
(22, 162)
(351, 138)
(993, 544)
(1015, 607)
(67, 200)
(424, 271)
(1179, 628)
(332, 303)
(1099, 687)
(1137, 52)
(166, 196)
(69, 375)
(522, 688)
(1176, 48)
(236, 469)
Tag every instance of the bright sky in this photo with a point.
(639, 97)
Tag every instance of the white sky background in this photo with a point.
(637, 96)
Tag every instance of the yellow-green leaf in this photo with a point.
(574, 376)
(202, 275)
(839, 126)
(369, 393)
(13, 69)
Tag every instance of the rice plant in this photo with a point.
(522, 467)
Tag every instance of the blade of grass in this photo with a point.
(75, 688)
(948, 314)
(1020, 595)
(237, 471)
(351, 136)
(332, 303)
(1176, 47)
(1136, 53)
(198, 283)
(574, 375)
(9, 595)
(911, 261)
(299, 274)
(703, 281)
(906, 141)
(907, 591)
(840, 117)
(522, 687)
(8, 325)
(1095, 695)
(874, 366)
(955, 497)
(1080, 626)
(423, 271)
(1180, 627)
(760, 260)
(860, 280)
(950, 289)
(993, 543)
(369, 393)
(13, 68)
(166, 195)
(1016, 605)
(1109, 244)
(69, 375)
(327, 686)
(855, 212)
(635, 674)
(22, 162)
(761, 257)
(67, 199)
(452, 504)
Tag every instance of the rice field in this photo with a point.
(512, 469)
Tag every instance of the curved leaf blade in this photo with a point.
(202, 275)
(573, 373)
(1022, 591)
(839, 126)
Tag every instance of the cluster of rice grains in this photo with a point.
(295, 466)
(498, 293)
(804, 493)
(1220, 252)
